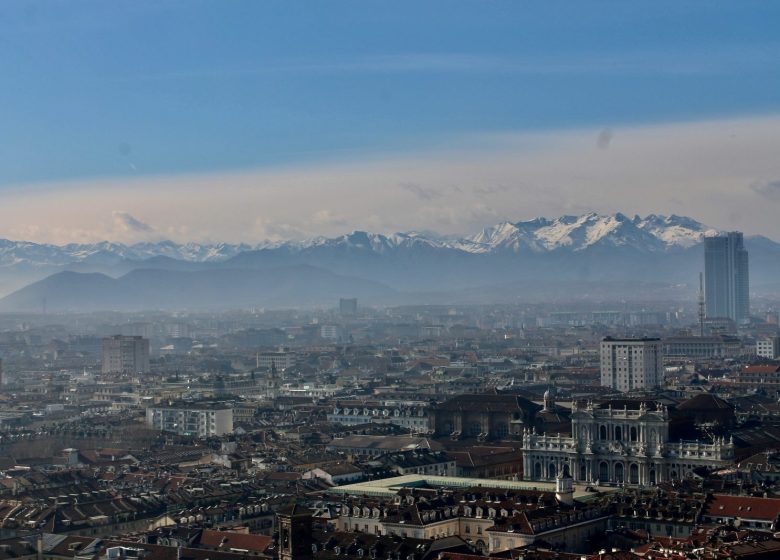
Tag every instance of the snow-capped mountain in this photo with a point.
(41, 254)
(570, 257)
(577, 233)
(567, 233)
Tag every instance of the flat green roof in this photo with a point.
(391, 486)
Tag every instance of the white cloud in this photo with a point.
(127, 224)
(722, 172)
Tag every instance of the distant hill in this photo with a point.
(206, 289)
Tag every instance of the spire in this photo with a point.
(549, 399)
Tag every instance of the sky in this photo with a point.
(243, 121)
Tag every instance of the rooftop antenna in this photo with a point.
(702, 312)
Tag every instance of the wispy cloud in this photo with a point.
(708, 170)
(627, 62)
(768, 189)
(488, 190)
(421, 192)
(128, 224)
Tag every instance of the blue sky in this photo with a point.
(95, 91)
(119, 88)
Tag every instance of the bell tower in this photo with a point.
(295, 537)
(564, 488)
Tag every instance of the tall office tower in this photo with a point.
(726, 277)
(631, 363)
(125, 354)
(348, 306)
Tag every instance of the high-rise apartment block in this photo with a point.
(125, 354)
(631, 363)
(726, 277)
(348, 306)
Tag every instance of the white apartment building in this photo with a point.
(201, 420)
(631, 363)
(279, 360)
(768, 347)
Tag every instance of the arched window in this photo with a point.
(633, 433)
(603, 471)
(652, 476)
(583, 472)
(619, 472)
(618, 433)
(475, 428)
(537, 471)
(502, 429)
(633, 474)
(551, 471)
(603, 432)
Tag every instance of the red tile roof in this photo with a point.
(228, 539)
(761, 369)
(720, 505)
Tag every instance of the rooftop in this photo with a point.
(391, 486)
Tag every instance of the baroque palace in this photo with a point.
(619, 445)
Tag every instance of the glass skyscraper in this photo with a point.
(726, 280)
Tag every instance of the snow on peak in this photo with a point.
(566, 233)
(577, 233)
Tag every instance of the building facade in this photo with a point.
(348, 306)
(708, 347)
(278, 360)
(726, 277)
(413, 418)
(484, 417)
(768, 347)
(619, 446)
(631, 363)
(125, 354)
(204, 420)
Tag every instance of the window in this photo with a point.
(633, 474)
(619, 472)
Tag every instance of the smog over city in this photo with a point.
(402, 280)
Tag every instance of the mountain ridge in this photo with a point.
(652, 232)
(506, 262)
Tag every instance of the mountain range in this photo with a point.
(587, 256)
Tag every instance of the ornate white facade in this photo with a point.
(414, 418)
(611, 445)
